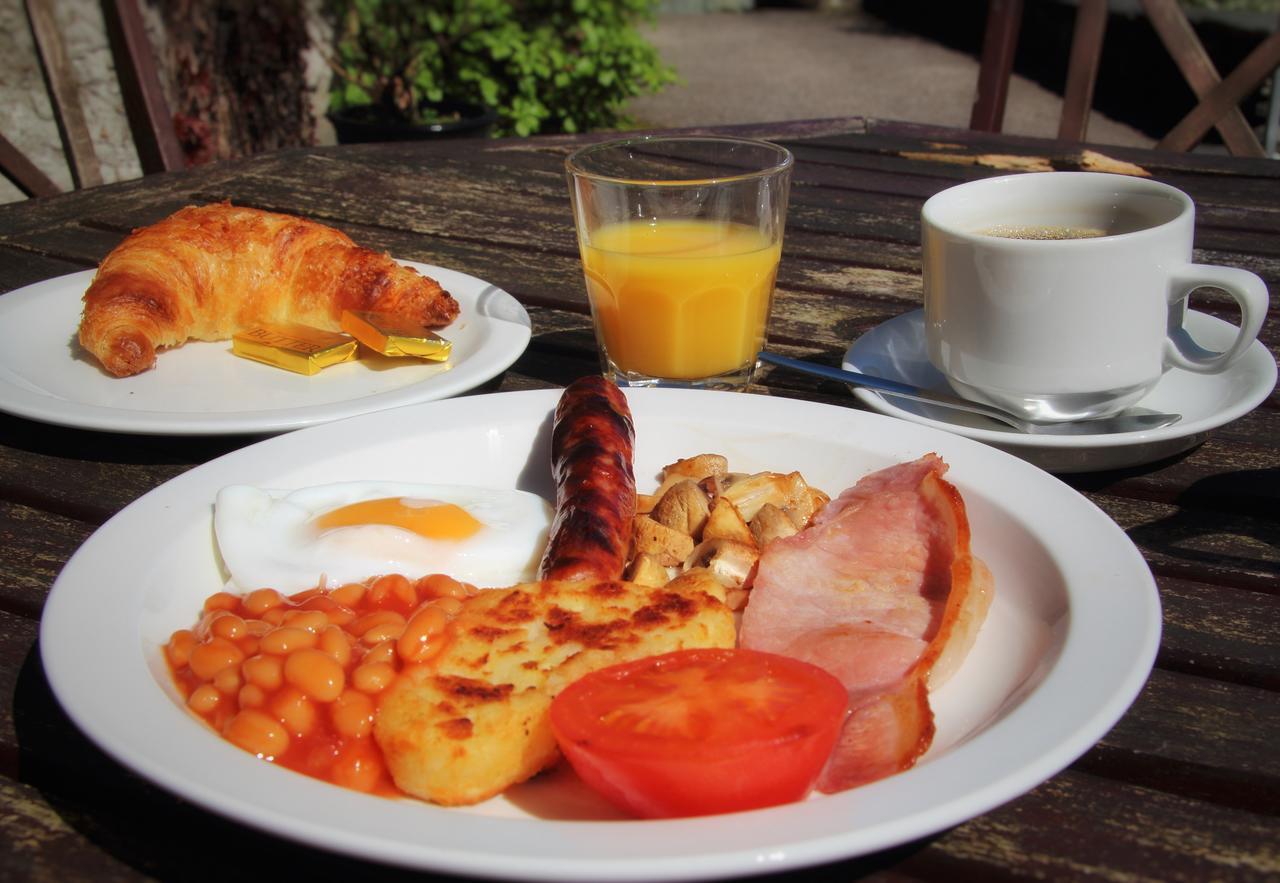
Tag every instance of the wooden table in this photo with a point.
(1185, 787)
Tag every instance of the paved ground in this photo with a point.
(780, 64)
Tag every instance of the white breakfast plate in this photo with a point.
(896, 350)
(202, 388)
(1069, 641)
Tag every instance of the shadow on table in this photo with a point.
(1241, 503)
(129, 823)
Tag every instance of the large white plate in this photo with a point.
(896, 350)
(203, 389)
(1069, 641)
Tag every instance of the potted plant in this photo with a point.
(412, 68)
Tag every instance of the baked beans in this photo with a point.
(295, 679)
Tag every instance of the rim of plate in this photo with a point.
(1097, 673)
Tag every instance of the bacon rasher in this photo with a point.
(882, 591)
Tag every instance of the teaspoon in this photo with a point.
(1132, 420)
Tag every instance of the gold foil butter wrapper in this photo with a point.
(298, 348)
(393, 336)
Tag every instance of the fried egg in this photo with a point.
(332, 534)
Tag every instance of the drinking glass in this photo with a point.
(680, 239)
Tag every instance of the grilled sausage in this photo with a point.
(592, 443)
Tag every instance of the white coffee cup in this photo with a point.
(1068, 328)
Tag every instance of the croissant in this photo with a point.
(206, 272)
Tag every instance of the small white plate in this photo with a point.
(1068, 643)
(896, 350)
(201, 388)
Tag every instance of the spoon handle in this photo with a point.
(883, 384)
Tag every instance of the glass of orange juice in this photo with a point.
(680, 240)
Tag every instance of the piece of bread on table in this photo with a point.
(206, 272)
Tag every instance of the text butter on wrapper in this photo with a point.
(393, 336)
(299, 348)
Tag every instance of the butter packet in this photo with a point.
(298, 348)
(393, 336)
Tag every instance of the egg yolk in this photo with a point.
(434, 520)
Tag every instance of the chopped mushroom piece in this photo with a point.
(731, 562)
(802, 511)
(699, 467)
(683, 507)
(726, 522)
(714, 485)
(669, 546)
(646, 571)
(751, 492)
(703, 467)
(801, 501)
(706, 524)
(699, 579)
(772, 523)
(645, 503)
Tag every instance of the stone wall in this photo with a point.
(26, 114)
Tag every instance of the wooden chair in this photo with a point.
(1219, 98)
(145, 106)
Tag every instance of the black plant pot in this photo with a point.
(369, 123)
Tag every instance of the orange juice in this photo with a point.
(680, 299)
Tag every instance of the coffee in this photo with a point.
(1042, 232)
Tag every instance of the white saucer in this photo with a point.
(896, 350)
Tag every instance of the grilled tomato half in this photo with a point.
(704, 731)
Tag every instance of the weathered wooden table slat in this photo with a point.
(1185, 787)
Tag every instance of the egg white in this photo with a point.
(266, 538)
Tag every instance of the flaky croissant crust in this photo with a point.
(206, 272)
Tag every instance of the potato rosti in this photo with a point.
(475, 720)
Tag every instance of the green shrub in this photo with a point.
(544, 65)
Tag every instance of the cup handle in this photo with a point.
(1249, 291)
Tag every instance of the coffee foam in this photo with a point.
(1044, 232)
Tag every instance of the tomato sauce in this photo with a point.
(295, 680)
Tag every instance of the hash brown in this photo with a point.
(475, 720)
